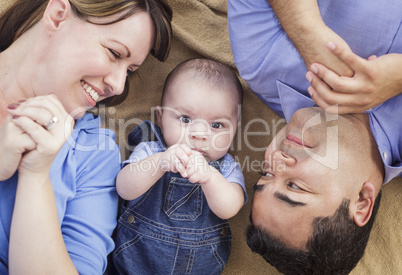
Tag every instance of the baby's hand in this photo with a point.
(175, 159)
(198, 169)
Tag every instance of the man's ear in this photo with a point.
(364, 204)
(57, 11)
(159, 115)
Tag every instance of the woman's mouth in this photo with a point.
(91, 92)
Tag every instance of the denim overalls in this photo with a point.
(170, 229)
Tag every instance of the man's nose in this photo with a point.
(281, 158)
(116, 80)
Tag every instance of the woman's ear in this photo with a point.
(364, 204)
(57, 11)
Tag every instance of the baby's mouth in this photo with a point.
(199, 150)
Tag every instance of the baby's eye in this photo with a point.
(294, 186)
(185, 119)
(216, 125)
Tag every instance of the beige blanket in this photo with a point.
(200, 30)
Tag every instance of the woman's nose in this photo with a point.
(116, 80)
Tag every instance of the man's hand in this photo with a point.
(375, 80)
(303, 24)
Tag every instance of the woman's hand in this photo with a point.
(375, 80)
(35, 203)
(14, 142)
(48, 125)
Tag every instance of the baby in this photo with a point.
(180, 189)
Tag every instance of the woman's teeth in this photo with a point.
(90, 91)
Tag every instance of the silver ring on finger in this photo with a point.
(51, 123)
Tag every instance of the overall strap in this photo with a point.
(146, 131)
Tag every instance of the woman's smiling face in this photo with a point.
(88, 62)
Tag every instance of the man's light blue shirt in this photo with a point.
(274, 70)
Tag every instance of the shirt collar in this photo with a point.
(292, 100)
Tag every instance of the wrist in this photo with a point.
(209, 175)
(32, 178)
(163, 162)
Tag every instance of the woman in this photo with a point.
(58, 202)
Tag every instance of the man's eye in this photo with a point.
(266, 174)
(216, 125)
(294, 186)
(185, 119)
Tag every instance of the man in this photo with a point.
(315, 204)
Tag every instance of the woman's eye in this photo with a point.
(294, 186)
(185, 119)
(217, 125)
(114, 53)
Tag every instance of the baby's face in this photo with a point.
(200, 115)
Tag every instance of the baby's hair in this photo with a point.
(208, 70)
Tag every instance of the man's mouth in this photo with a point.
(297, 141)
(88, 89)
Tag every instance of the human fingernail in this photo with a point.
(331, 45)
(13, 106)
(314, 69)
(309, 77)
(310, 91)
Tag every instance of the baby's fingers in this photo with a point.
(177, 166)
(182, 152)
